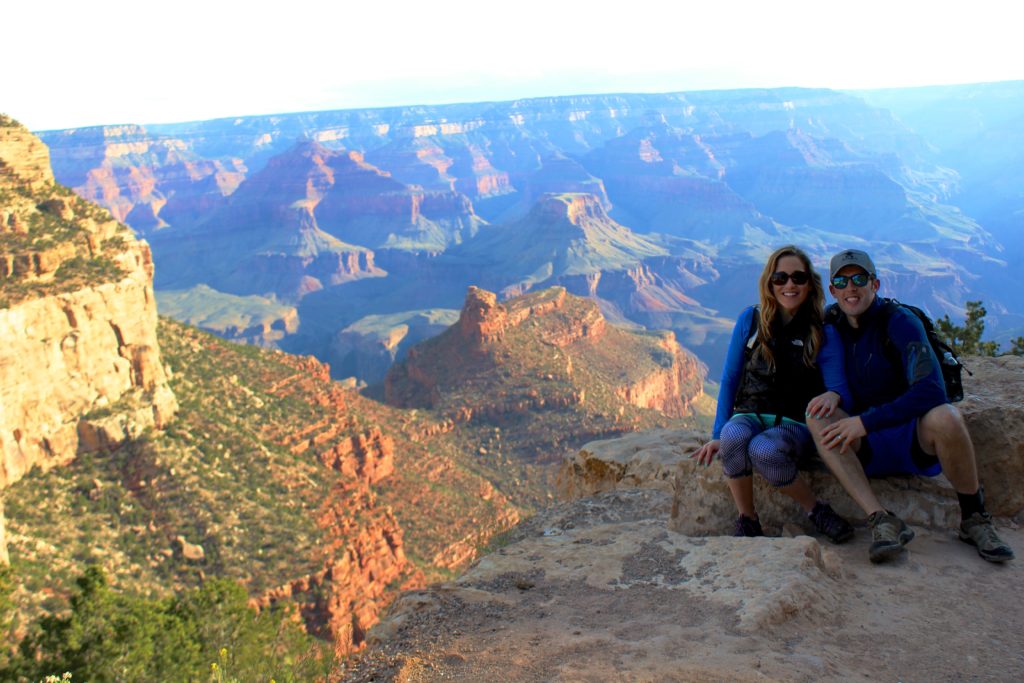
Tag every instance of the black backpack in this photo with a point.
(949, 363)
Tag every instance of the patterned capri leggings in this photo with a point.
(773, 451)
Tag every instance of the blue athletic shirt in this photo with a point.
(884, 394)
(732, 373)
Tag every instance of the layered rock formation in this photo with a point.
(79, 363)
(719, 177)
(653, 372)
(526, 380)
(24, 159)
(564, 235)
(271, 475)
(145, 179)
(569, 240)
(364, 559)
(362, 554)
(267, 239)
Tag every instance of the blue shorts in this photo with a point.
(896, 450)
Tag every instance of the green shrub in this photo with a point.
(113, 637)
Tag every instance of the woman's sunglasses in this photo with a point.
(798, 277)
(859, 280)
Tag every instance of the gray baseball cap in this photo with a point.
(851, 257)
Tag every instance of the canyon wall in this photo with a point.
(79, 360)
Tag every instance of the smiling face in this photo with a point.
(854, 300)
(790, 296)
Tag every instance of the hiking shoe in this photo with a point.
(889, 534)
(745, 526)
(829, 523)
(979, 532)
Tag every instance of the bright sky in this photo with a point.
(74, 63)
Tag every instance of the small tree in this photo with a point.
(114, 637)
(966, 339)
(110, 637)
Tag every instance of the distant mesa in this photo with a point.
(266, 240)
(149, 181)
(439, 159)
(563, 235)
(547, 352)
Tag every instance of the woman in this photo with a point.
(770, 376)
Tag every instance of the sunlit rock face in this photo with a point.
(545, 351)
(80, 364)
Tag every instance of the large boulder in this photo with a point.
(701, 501)
(994, 411)
(702, 505)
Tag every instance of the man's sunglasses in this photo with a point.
(799, 277)
(860, 280)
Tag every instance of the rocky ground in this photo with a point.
(601, 589)
(635, 579)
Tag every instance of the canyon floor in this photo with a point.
(600, 589)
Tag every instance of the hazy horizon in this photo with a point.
(116, 62)
(456, 102)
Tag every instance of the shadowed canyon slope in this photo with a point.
(704, 185)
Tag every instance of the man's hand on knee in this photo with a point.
(844, 434)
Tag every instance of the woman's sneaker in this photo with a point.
(829, 523)
(889, 534)
(745, 526)
(979, 532)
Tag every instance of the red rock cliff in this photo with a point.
(490, 361)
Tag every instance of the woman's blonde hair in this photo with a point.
(813, 307)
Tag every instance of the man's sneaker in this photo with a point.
(829, 523)
(888, 536)
(979, 532)
(745, 526)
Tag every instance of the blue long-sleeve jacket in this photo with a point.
(732, 373)
(886, 391)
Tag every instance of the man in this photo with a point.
(899, 421)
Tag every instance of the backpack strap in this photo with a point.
(752, 332)
(889, 306)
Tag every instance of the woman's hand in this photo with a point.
(706, 453)
(823, 405)
(843, 433)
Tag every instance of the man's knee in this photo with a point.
(942, 422)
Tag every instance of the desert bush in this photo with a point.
(110, 636)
